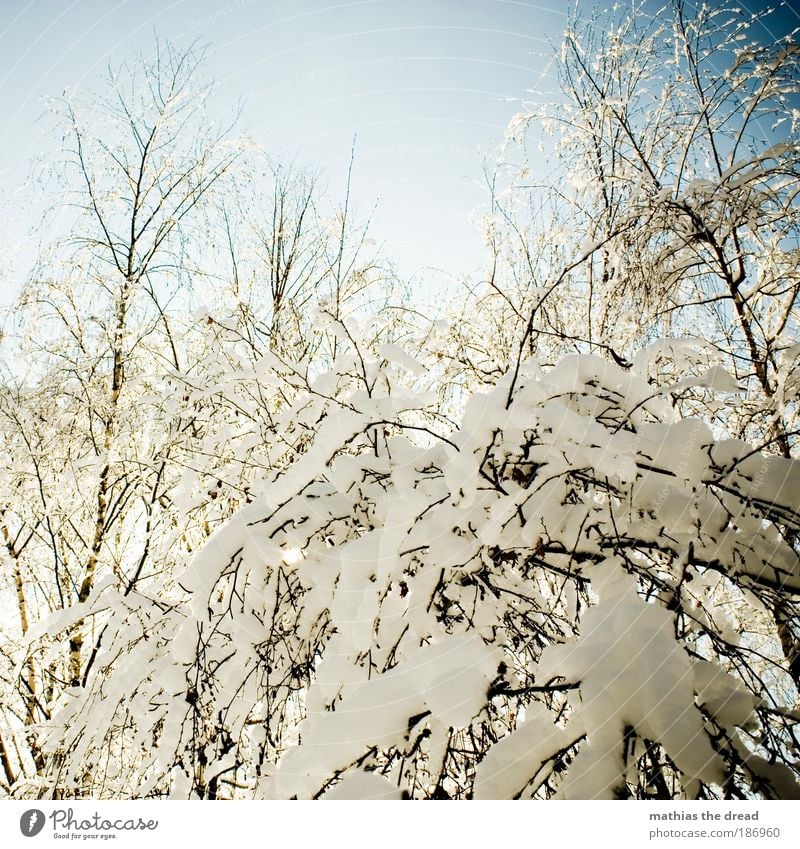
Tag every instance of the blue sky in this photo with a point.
(427, 86)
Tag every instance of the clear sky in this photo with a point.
(427, 86)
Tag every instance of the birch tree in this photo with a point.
(88, 472)
(677, 134)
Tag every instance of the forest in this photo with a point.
(278, 523)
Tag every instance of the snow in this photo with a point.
(518, 763)
(632, 674)
(449, 678)
(380, 595)
(363, 785)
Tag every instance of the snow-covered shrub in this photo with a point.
(570, 594)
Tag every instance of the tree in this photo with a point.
(529, 555)
(137, 422)
(86, 493)
(676, 135)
